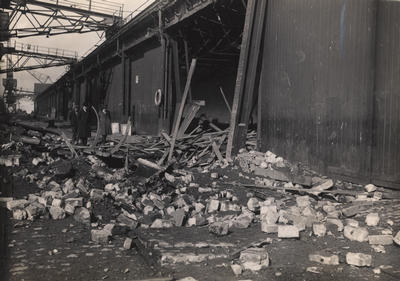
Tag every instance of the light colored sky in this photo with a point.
(75, 42)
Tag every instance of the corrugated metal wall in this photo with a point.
(317, 81)
(386, 142)
(146, 79)
(330, 86)
(114, 97)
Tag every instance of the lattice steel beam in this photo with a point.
(54, 17)
(28, 57)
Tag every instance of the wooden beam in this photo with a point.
(251, 77)
(71, 148)
(188, 119)
(243, 59)
(225, 100)
(182, 106)
(217, 152)
(177, 74)
(185, 44)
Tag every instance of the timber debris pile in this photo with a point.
(199, 188)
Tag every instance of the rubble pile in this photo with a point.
(172, 197)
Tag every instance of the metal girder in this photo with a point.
(21, 93)
(22, 57)
(54, 17)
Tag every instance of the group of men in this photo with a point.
(80, 122)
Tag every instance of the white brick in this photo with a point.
(358, 259)
(288, 231)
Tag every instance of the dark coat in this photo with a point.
(105, 123)
(83, 125)
(73, 118)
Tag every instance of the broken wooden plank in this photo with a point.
(217, 152)
(155, 279)
(311, 191)
(29, 140)
(178, 119)
(215, 127)
(166, 137)
(225, 100)
(194, 108)
(149, 164)
(71, 148)
(165, 155)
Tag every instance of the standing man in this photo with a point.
(83, 125)
(73, 119)
(105, 124)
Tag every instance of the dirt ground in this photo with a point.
(46, 249)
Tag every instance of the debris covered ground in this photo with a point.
(118, 212)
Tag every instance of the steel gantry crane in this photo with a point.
(28, 57)
(52, 17)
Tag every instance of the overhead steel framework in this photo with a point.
(53, 17)
(28, 57)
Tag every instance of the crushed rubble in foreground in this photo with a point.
(260, 200)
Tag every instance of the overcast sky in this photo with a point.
(75, 42)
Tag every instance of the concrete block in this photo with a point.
(358, 259)
(336, 222)
(324, 259)
(319, 229)
(328, 208)
(96, 194)
(131, 223)
(372, 219)
(219, 228)
(19, 214)
(199, 207)
(128, 243)
(303, 201)
(56, 202)
(352, 222)
(21, 203)
(237, 269)
(396, 239)
(359, 234)
(35, 210)
(370, 188)
(69, 209)
(324, 186)
(269, 214)
(254, 259)
(224, 206)
(57, 213)
(269, 228)
(68, 186)
(82, 215)
(213, 206)
(288, 231)
(242, 221)
(253, 204)
(197, 220)
(179, 217)
(76, 202)
(380, 239)
(100, 236)
(160, 223)
(351, 211)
